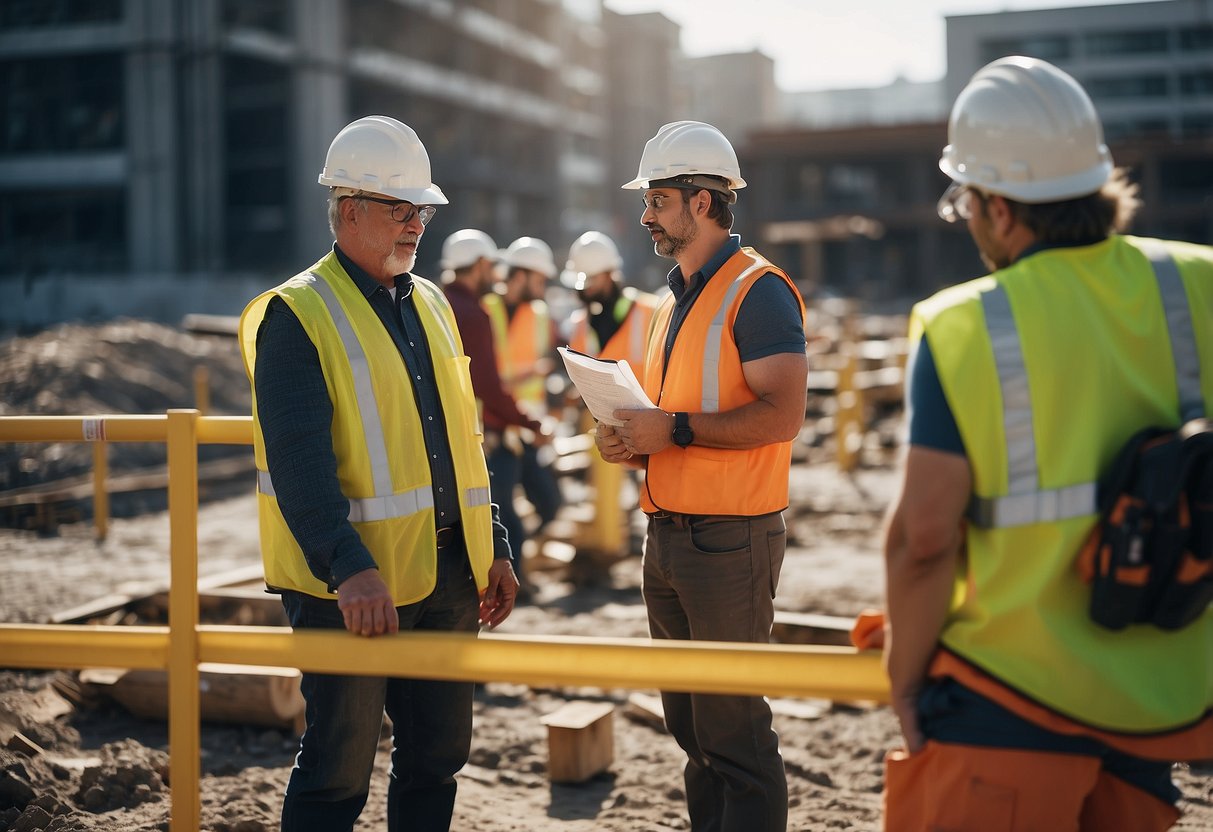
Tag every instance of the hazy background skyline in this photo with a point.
(819, 45)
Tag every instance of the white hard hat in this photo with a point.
(688, 149)
(1025, 130)
(530, 253)
(381, 155)
(590, 254)
(464, 248)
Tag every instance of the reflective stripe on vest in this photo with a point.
(385, 505)
(710, 401)
(1026, 504)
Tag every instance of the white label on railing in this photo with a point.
(94, 430)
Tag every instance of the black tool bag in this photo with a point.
(1149, 560)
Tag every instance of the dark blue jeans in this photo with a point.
(431, 721)
(505, 468)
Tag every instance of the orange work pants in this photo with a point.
(964, 788)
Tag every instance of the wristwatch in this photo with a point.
(682, 435)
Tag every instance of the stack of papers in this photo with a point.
(605, 386)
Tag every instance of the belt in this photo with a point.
(682, 521)
(448, 536)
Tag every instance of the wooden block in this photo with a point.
(581, 741)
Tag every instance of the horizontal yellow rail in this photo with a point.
(61, 645)
(701, 666)
(216, 430)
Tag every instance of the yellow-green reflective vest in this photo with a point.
(1049, 366)
(377, 434)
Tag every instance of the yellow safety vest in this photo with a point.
(377, 434)
(635, 309)
(1049, 366)
(705, 376)
(520, 342)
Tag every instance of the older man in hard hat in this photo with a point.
(372, 486)
(1019, 712)
(726, 366)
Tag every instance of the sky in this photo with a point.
(830, 44)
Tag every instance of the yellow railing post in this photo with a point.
(848, 415)
(607, 478)
(184, 732)
(202, 389)
(101, 495)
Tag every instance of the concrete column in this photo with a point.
(153, 152)
(200, 116)
(321, 109)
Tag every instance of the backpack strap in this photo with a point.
(1027, 503)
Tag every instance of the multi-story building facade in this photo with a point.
(1148, 66)
(150, 141)
(642, 94)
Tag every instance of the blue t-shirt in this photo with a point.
(930, 417)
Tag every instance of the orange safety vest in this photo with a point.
(628, 342)
(521, 341)
(704, 376)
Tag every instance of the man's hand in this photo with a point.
(610, 444)
(645, 431)
(366, 605)
(497, 601)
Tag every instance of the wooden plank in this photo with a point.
(810, 628)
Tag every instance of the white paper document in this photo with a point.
(605, 386)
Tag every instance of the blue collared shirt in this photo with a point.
(296, 413)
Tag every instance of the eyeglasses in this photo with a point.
(957, 202)
(402, 212)
(655, 201)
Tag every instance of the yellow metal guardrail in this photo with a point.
(704, 667)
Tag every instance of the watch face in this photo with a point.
(683, 436)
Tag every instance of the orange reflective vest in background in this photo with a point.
(520, 342)
(704, 376)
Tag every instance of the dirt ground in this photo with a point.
(98, 768)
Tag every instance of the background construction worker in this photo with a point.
(526, 339)
(717, 450)
(468, 260)
(358, 377)
(1019, 712)
(614, 320)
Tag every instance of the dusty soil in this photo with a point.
(101, 769)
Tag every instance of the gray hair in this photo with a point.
(335, 197)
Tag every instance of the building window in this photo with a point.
(1186, 180)
(1045, 47)
(1116, 130)
(1129, 86)
(62, 104)
(44, 231)
(1196, 83)
(265, 15)
(1197, 126)
(1196, 38)
(257, 189)
(28, 14)
(1127, 43)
